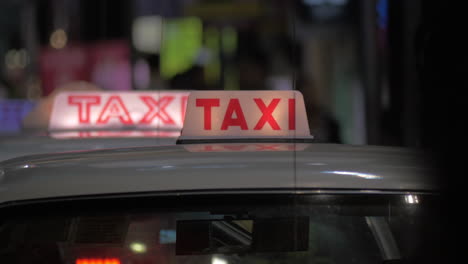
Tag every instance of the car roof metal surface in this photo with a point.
(180, 168)
(17, 146)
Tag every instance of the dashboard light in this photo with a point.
(97, 261)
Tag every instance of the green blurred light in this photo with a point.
(229, 40)
(213, 67)
(181, 42)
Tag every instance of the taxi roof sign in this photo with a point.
(89, 110)
(240, 115)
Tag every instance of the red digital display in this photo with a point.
(97, 261)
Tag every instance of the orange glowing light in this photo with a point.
(97, 261)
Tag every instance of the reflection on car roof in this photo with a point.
(214, 167)
(13, 147)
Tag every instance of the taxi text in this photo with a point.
(234, 115)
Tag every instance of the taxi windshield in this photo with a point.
(225, 229)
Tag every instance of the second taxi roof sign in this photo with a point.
(73, 111)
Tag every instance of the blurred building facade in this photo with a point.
(352, 59)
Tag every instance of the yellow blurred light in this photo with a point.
(16, 59)
(138, 247)
(10, 59)
(58, 39)
(23, 58)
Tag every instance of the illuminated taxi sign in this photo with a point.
(118, 110)
(245, 114)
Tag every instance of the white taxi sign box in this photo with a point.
(73, 111)
(240, 115)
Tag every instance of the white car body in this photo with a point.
(218, 168)
(17, 146)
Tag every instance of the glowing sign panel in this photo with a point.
(245, 114)
(97, 261)
(110, 110)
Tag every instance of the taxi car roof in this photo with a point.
(17, 146)
(177, 169)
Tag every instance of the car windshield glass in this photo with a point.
(225, 229)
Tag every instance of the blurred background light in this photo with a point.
(141, 74)
(336, 52)
(324, 2)
(15, 59)
(167, 236)
(411, 199)
(181, 45)
(58, 39)
(218, 260)
(146, 34)
(138, 247)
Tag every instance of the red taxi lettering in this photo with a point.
(115, 108)
(267, 147)
(234, 115)
(84, 134)
(157, 109)
(113, 133)
(209, 148)
(183, 107)
(267, 112)
(235, 147)
(84, 103)
(292, 114)
(234, 108)
(207, 104)
(246, 147)
(291, 147)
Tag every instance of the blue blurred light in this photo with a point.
(167, 236)
(12, 113)
(382, 13)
